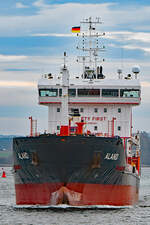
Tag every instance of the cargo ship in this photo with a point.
(89, 156)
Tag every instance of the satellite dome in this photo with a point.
(136, 69)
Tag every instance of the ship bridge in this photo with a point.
(105, 105)
(83, 91)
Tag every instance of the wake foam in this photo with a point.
(65, 206)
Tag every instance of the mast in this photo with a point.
(90, 44)
(64, 131)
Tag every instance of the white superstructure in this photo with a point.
(105, 105)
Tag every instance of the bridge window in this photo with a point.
(60, 92)
(110, 92)
(88, 92)
(48, 92)
(72, 92)
(129, 93)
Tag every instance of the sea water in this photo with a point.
(10, 215)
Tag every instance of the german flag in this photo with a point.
(75, 29)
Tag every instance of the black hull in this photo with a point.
(73, 162)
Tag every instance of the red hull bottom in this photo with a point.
(75, 194)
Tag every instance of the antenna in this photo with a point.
(119, 71)
(65, 55)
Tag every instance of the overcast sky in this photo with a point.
(35, 33)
